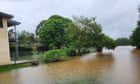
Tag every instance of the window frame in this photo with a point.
(1, 23)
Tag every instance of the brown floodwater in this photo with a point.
(121, 66)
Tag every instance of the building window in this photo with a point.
(1, 25)
(12, 35)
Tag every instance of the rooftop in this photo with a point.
(10, 22)
(8, 16)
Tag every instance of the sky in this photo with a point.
(117, 17)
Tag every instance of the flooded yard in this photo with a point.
(121, 66)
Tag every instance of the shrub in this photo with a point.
(71, 52)
(54, 55)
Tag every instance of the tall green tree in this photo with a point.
(135, 37)
(77, 33)
(90, 30)
(108, 42)
(122, 41)
(51, 32)
(86, 32)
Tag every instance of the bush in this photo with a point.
(54, 55)
(71, 52)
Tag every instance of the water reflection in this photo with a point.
(113, 67)
(124, 69)
(136, 62)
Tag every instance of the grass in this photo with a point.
(81, 79)
(4, 68)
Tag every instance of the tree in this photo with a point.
(103, 40)
(54, 18)
(86, 32)
(51, 32)
(135, 37)
(82, 32)
(75, 36)
(79, 32)
(122, 41)
(108, 42)
(26, 39)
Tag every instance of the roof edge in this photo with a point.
(2, 14)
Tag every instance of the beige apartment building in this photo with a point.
(5, 22)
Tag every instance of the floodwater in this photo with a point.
(121, 66)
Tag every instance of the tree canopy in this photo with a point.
(80, 32)
(51, 32)
(86, 32)
(135, 37)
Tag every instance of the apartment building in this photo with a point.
(5, 22)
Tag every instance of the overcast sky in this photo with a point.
(117, 17)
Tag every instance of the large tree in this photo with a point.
(78, 33)
(135, 37)
(108, 42)
(51, 32)
(86, 32)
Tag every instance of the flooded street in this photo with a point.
(121, 66)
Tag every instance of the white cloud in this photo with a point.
(116, 16)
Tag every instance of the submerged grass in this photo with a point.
(82, 82)
(78, 82)
(81, 79)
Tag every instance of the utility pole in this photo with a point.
(16, 44)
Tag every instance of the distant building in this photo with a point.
(5, 22)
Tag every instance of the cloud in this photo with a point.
(115, 16)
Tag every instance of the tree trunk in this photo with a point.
(79, 51)
(99, 51)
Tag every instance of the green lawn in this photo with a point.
(4, 68)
